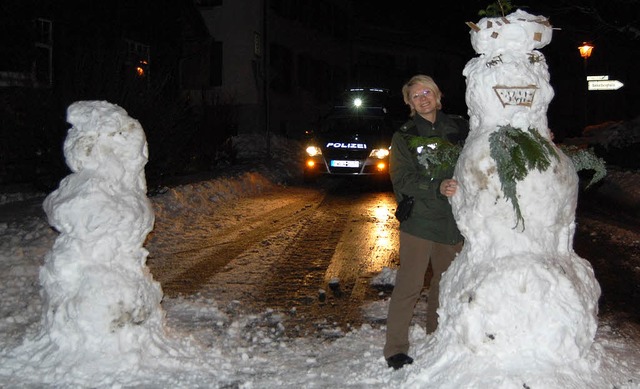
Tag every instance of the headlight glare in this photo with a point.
(312, 151)
(379, 153)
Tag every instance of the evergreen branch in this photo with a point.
(510, 167)
(586, 159)
(437, 155)
(498, 8)
(516, 153)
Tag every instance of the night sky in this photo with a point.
(612, 26)
(33, 119)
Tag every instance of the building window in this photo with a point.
(44, 31)
(138, 59)
(44, 52)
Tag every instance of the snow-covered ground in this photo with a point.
(518, 307)
(207, 347)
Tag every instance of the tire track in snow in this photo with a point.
(349, 238)
(189, 263)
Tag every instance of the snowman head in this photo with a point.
(518, 31)
(509, 82)
(104, 139)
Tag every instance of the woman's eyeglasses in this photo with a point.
(425, 93)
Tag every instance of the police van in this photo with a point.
(353, 139)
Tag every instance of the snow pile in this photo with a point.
(610, 135)
(386, 278)
(201, 198)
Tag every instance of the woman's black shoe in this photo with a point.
(399, 360)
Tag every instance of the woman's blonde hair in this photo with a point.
(429, 83)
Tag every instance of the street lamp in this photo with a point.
(585, 52)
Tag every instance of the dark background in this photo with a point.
(613, 27)
(90, 64)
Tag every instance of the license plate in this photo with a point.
(335, 163)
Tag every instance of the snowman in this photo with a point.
(98, 293)
(517, 216)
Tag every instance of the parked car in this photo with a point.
(353, 139)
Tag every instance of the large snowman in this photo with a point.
(517, 293)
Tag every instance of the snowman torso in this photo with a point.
(508, 85)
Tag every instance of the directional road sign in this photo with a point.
(605, 85)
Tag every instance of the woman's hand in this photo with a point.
(448, 187)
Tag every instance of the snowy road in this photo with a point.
(263, 262)
(206, 246)
(611, 243)
(308, 251)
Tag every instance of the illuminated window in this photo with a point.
(138, 58)
(141, 69)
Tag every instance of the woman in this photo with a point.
(430, 233)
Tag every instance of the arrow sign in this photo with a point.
(605, 85)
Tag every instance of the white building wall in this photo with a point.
(234, 24)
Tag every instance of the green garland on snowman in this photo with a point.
(516, 153)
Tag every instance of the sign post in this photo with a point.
(605, 85)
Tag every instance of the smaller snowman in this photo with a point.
(96, 285)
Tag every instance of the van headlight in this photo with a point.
(312, 151)
(379, 153)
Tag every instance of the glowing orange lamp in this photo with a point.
(585, 50)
